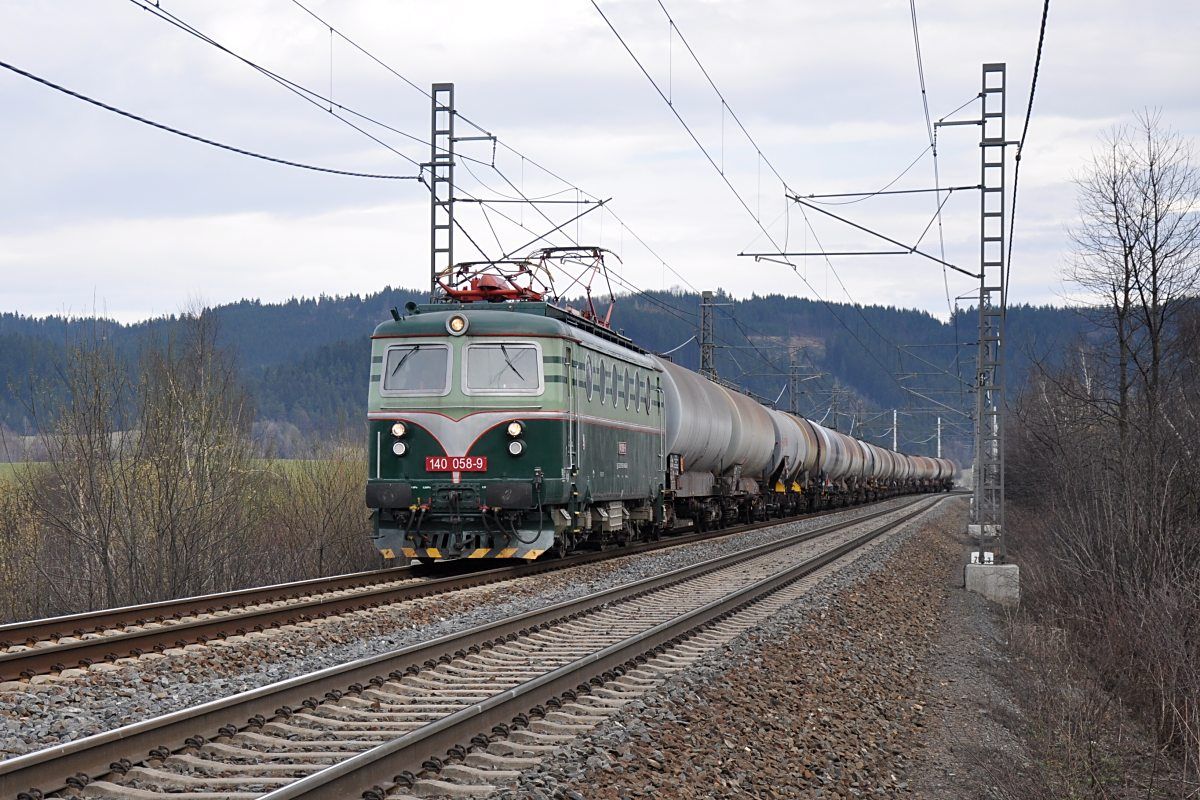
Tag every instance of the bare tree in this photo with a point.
(198, 468)
(75, 495)
(1104, 443)
(149, 488)
(1105, 244)
(1138, 247)
(321, 504)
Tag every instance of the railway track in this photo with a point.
(465, 707)
(78, 641)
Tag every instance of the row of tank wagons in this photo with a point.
(729, 437)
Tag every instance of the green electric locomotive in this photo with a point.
(504, 430)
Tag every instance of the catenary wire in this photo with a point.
(549, 172)
(1037, 63)
(313, 97)
(500, 143)
(309, 95)
(726, 180)
(197, 138)
(878, 191)
(932, 134)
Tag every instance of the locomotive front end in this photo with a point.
(467, 421)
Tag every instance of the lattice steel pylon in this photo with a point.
(987, 512)
(793, 381)
(708, 366)
(441, 184)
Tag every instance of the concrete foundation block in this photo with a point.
(1000, 583)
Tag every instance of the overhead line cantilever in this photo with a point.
(887, 239)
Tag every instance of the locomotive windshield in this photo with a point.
(503, 368)
(417, 369)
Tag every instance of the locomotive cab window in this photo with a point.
(503, 368)
(416, 369)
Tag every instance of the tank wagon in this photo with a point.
(509, 430)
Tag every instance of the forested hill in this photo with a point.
(306, 363)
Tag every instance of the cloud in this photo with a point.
(136, 221)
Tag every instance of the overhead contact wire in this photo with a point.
(197, 138)
(1012, 217)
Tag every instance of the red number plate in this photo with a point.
(456, 463)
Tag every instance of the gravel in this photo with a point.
(968, 703)
(59, 710)
(829, 699)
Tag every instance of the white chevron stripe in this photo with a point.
(457, 436)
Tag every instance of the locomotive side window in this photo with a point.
(641, 389)
(626, 382)
(603, 381)
(502, 368)
(590, 377)
(416, 369)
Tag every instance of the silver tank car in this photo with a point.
(795, 447)
(841, 458)
(752, 441)
(715, 430)
(698, 425)
(883, 464)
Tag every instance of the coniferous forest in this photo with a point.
(304, 362)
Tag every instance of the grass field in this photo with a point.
(7, 470)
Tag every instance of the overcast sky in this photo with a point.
(101, 213)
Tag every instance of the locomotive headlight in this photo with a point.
(516, 447)
(515, 429)
(398, 430)
(399, 448)
(456, 325)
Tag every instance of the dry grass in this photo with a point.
(311, 521)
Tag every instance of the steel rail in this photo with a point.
(257, 616)
(107, 618)
(42, 772)
(406, 756)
